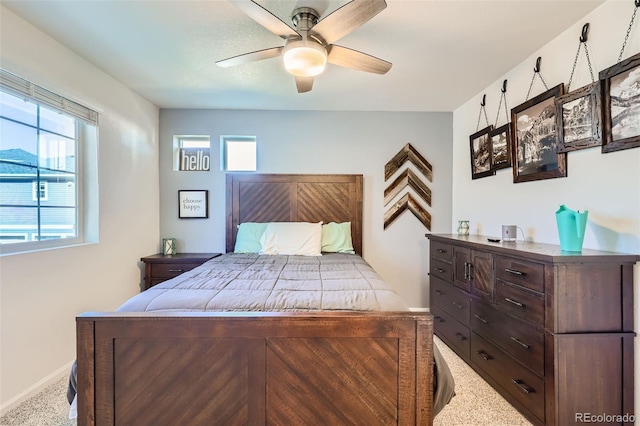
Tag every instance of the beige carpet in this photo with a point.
(475, 403)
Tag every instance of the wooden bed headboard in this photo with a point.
(294, 198)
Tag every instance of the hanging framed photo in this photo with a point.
(193, 204)
(535, 139)
(480, 147)
(501, 147)
(578, 118)
(621, 105)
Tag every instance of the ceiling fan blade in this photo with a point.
(353, 59)
(245, 58)
(347, 18)
(265, 18)
(304, 84)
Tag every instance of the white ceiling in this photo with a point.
(443, 51)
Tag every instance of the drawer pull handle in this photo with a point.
(457, 305)
(481, 319)
(438, 319)
(441, 251)
(520, 342)
(440, 270)
(514, 272)
(461, 336)
(438, 292)
(176, 270)
(515, 302)
(522, 386)
(483, 355)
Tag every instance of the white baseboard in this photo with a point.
(419, 309)
(35, 389)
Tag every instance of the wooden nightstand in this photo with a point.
(158, 267)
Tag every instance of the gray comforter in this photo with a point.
(248, 282)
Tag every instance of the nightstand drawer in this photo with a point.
(170, 270)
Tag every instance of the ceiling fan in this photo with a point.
(309, 42)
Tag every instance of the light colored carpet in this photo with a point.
(475, 403)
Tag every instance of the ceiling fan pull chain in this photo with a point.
(583, 41)
(536, 71)
(633, 17)
(482, 109)
(503, 98)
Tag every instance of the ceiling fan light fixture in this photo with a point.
(304, 58)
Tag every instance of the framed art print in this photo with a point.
(578, 118)
(621, 105)
(535, 139)
(480, 147)
(501, 147)
(193, 204)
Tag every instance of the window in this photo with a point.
(39, 190)
(45, 142)
(191, 153)
(238, 153)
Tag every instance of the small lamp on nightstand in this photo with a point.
(168, 246)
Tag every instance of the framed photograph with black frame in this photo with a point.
(480, 147)
(193, 204)
(621, 105)
(578, 118)
(501, 147)
(535, 139)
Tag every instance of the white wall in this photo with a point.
(319, 142)
(607, 185)
(42, 292)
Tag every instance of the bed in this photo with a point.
(249, 338)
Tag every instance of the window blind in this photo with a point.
(25, 89)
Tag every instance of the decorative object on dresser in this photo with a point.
(169, 246)
(551, 331)
(463, 227)
(159, 268)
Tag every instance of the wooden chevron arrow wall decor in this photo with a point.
(407, 202)
(408, 153)
(408, 178)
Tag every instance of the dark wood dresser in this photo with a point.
(159, 268)
(551, 331)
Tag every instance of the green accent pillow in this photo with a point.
(336, 238)
(248, 238)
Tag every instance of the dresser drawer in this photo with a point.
(451, 299)
(520, 302)
(441, 251)
(441, 269)
(519, 382)
(522, 272)
(454, 333)
(170, 270)
(522, 341)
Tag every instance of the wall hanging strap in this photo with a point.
(583, 40)
(536, 71)
(633, 17)
(482, 109)
(503, 98)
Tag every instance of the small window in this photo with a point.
(191, 153)
(39, 191)
(238, 153)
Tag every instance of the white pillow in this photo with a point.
(292, 238)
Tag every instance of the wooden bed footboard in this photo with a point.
(255, 369)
